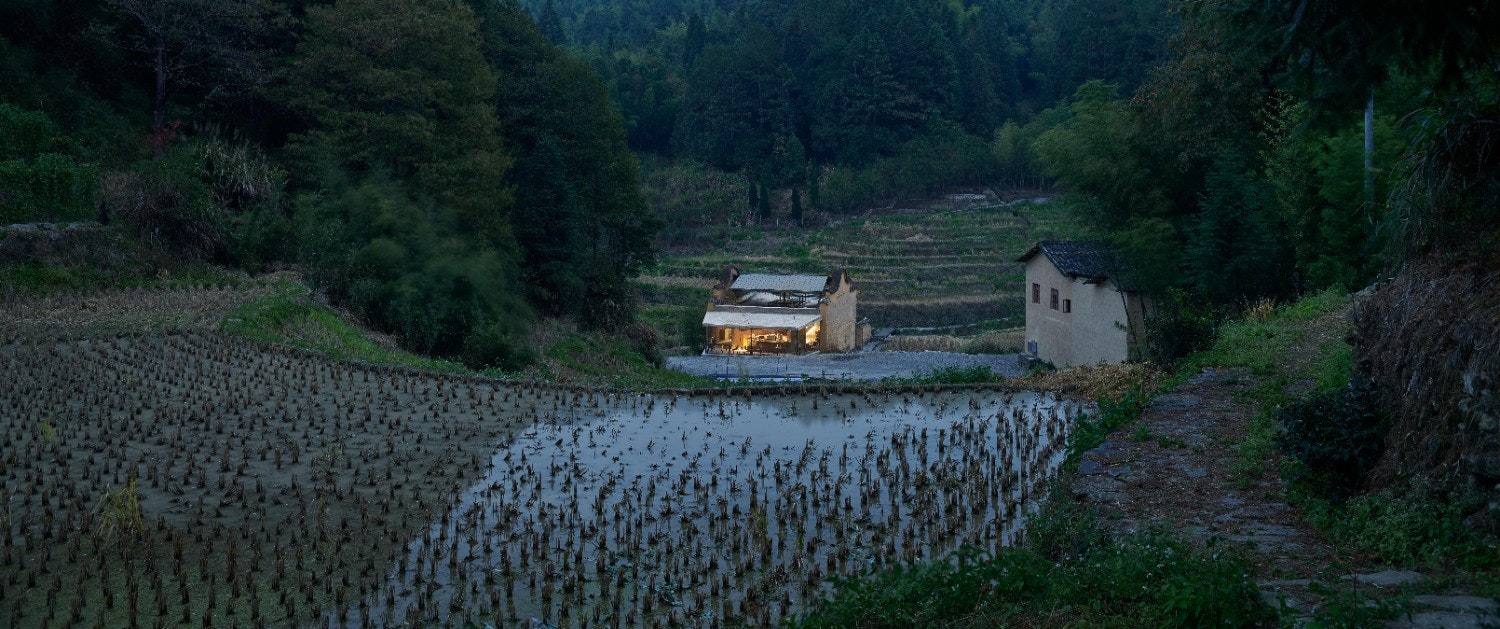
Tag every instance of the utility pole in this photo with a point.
(1370, 149)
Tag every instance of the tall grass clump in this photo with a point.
(119, 513)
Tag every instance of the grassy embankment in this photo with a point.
(289, 315)
(946, 278)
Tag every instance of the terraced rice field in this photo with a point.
(944, 267)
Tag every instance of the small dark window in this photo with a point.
(1067, 305)
(1053, 303)
(1036, 293)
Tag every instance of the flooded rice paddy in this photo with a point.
(652, 510)
(201, 480)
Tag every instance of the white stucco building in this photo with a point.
(1078, 311)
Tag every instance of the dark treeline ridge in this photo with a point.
(438, 166)
(845, 101)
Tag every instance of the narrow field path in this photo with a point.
(1176, 469)
(1179, 469)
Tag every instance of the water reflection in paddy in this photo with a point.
(646, 510)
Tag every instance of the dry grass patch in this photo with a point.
(997, 342)
(1098, 381)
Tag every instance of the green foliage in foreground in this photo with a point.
(1335, 438)
(596, 359)
(1405, 533)
(1069, 572)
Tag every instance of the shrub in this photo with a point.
(169, 204)
(942, 156)
(1335, 438)
(208, 198)
(690, 329)
(1179, 324)
(979, 374)
(37, 184)
(1405, 532)
(998, 342)
(1114, 413)
(923, 343)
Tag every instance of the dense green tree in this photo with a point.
(583, 226)
(1104, 151)
(763, 201)
(187, 40)
(696, 38)
(648, 94)
(37, 182)
(387, 249)
(865, 112)
(1318, 181)
(550, 24)
(1209, 96)
(1115, 41)
(412, 226)
(1337, 55)
(404, 89)
(729, 116)
(1235, 250)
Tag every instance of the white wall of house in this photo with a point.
(1089, 324)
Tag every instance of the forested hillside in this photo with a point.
(438, 167)
(838, 104)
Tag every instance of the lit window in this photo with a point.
(1053, 303)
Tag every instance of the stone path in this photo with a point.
(1178, 468)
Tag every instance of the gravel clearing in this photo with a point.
(873, 365)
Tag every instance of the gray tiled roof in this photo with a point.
(793, 283)
(1079, 258)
